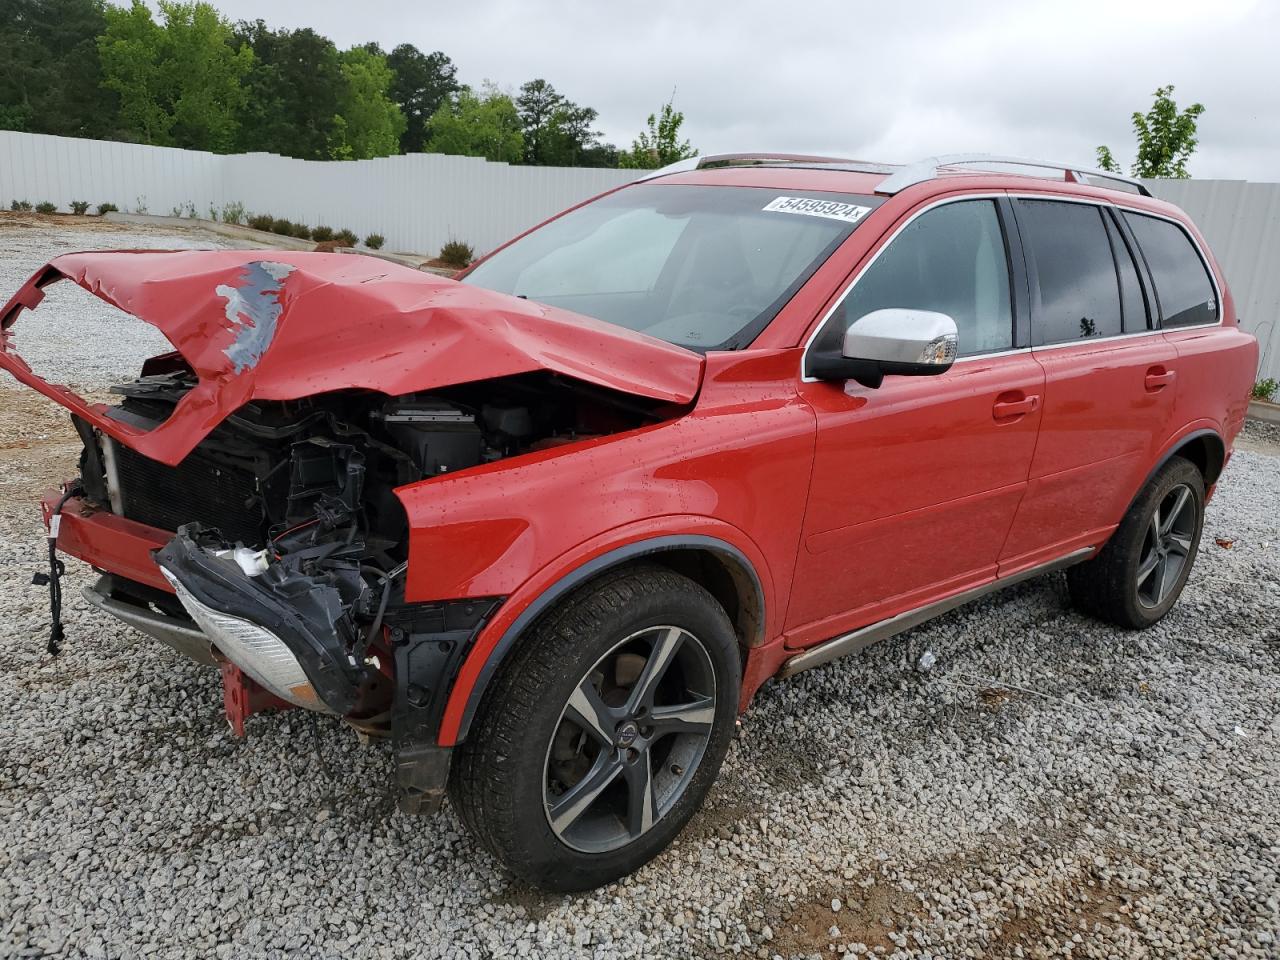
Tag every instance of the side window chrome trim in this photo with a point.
(1012, 195)
(990, 356)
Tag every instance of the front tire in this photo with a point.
(603, 733)
(1138, 576)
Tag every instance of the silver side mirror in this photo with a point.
(894, 341)
(911, 341)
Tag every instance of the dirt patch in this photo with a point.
(1084, 908)
(23, 220)
(437, 264)
(37, 442)
(868, 918)
(720, 820)
(993, 698)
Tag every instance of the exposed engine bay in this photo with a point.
(240, 501)
(290, 544)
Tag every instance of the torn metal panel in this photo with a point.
(294, 325)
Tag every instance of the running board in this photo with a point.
(864, 637)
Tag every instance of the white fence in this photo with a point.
(1241, 221)
(420, 201)
(417, 202)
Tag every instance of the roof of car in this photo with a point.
(836, 174)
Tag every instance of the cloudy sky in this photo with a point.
(886, 81)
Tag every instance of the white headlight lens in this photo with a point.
(258, 652)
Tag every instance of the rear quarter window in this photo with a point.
(1183, 287)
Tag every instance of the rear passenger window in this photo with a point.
(1183, 287)
(950, 259)
(1079, 290)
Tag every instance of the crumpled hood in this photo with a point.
(275, 325)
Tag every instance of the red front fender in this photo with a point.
(583, 563)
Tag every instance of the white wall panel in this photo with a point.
(417, 201)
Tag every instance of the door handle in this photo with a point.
(1158, 378)
(1003, 409)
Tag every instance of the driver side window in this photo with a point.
(950, 259)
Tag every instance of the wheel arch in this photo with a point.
(1203, 447)
(720, 567)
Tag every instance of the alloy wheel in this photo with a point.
(1166, 546)
(629, 739)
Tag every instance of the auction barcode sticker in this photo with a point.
(806, 206)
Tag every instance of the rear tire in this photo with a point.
(603, 732)
(1139, 575)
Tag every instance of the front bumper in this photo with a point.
(108, 542)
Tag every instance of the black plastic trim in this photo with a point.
(1194, 435)
(582, 574)
(429, 643)
(1019, 284)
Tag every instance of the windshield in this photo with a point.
(703, 267)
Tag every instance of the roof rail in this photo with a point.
(928, 169)
(764, 159)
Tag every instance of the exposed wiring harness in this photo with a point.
(53, 579)
(387, 579)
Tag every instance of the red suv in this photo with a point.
(550, 527)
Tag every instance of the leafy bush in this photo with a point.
(233, 212)
(374, 241)
(1265, 389)
(455, 253)
(105, 208)
(322, 233)
(79, 207)
(23, 205)
(44, 206)
(302, 231)
(346, 237)
(262, 221)
(283, 227)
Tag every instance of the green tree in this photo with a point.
(205, 69)
(478, 125)
(368, 123)
(50, 74)
(131, 50)
(293, 91)
(557, 132)
(1166, 139)
(536, 104)
(179, 83)
(420, 83)
(660, 144)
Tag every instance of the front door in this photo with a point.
(915, 484)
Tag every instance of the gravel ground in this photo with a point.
(1051, 788)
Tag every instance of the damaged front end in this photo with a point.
(312, 655)
(241, 499)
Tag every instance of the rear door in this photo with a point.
(915, 484)
(1110, 379)
(1212, 378)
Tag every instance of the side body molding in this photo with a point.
(587, 571)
